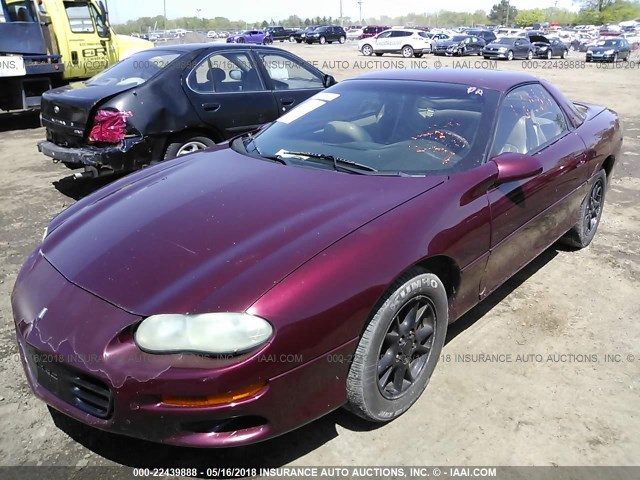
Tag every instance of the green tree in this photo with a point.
(503, 13)
(526, 18)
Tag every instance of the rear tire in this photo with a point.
(399, 348)
(185, 144)
(407, 51)
(322, 40)
(589, 214)
(342, 39)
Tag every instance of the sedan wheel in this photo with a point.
(292, 39)
(187, 144)
(510, 55)
(565, 54)
(589, 214)
(240, 40)
(323, 40)
(367, 50)
(342, 39)
(549, 54)
(399, 349)
(530, 55)
(615, 58)
(407, 51)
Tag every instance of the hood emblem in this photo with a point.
(56, 109)
(41, 315)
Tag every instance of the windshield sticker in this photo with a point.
(300, 111)
(475, 90)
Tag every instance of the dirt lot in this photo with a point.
(577, 407)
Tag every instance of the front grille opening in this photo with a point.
(72, 386)
(91, 396)
(228, 425)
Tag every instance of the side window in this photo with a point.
(385, 34)
(225, 73)
(288, 74)
(103, 30)
(528, 119)
(79, 17)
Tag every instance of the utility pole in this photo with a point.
(360, 7)
(165, 13)
(508, 8)
(341, 12)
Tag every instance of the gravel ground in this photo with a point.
(560, 401)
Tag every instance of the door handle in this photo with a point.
(287, 101)
(211, 107)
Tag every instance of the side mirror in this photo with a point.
(515, 166)
(235, 75)
(328, 80)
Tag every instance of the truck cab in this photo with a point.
(49, 43)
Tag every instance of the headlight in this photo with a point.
(543, 47)
(609, 52)
(502, 49)
(209, 333)
(589, 50)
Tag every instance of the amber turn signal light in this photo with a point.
(212, 400)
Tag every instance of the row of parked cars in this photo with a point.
(321, 34)
(530, 44)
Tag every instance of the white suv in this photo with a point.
(408, 42)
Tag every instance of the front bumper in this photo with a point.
(600, 57)
(499, 55)
(82, 342)
(127, 155)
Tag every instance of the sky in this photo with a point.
(254, 10)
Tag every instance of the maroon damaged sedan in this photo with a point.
(232, 295)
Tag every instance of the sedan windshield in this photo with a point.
(507, 40)
(136, 69)
(398, 127)
(608, 43)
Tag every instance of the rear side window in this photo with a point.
(136, 69)
(225, 72)
(528, 119)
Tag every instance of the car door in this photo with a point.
(228, 92)
(528, 215)
(91, 49)
(383, 42)
(290, 79)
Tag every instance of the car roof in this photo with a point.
(191, 47)
(489, 79)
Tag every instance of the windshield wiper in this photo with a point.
(339, 164)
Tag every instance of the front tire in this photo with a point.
(399, 348)
(589, 214)
(367, 50)
(342, 39)
(529, 55)
(510, 55)
(322, 40)
(565, 54)
(292, 39)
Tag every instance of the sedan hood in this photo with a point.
(214, 231)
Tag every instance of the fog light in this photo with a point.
(212, 400)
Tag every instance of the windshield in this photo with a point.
(608, 43)
(458, 38)
(409, 127)
(136, 69)
(508, 40)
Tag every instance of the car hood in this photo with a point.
(538, 39)
(213, 231)
(498, 45)
(447, 43)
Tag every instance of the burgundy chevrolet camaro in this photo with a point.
(229, 296)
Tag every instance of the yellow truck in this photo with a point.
(49, 43)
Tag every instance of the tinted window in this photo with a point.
(414, 127)
(288, 74)
(225, 72)
(136, 69)
(529, 118)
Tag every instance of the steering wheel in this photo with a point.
(446, 144)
